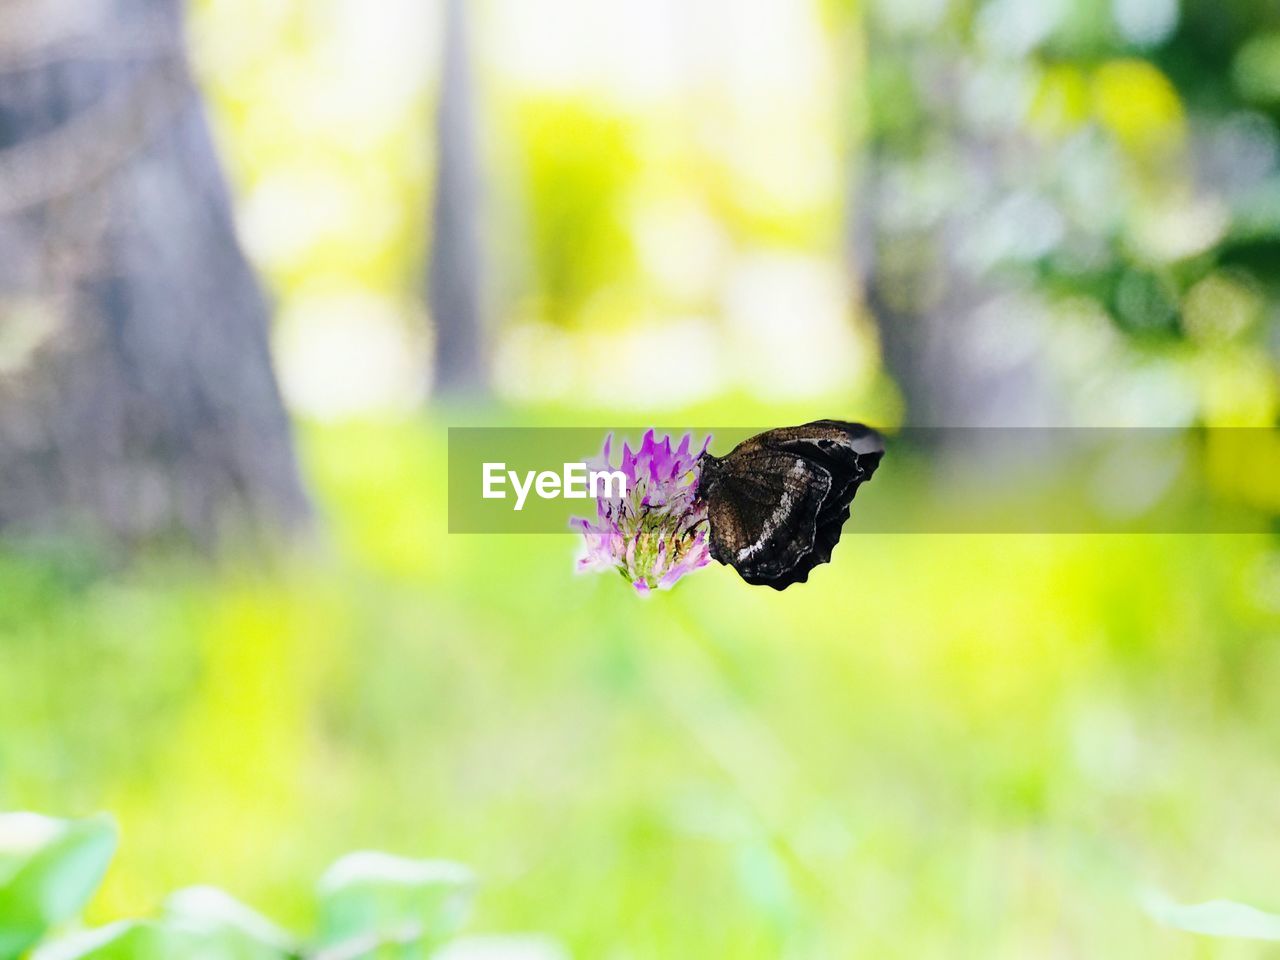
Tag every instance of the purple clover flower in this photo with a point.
(657, 533)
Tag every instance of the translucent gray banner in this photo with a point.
(944, 480)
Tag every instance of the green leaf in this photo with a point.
(49, 869)
(382, 905)
(227, 925)
(158, 940)
(1217, 918)
(127, 940)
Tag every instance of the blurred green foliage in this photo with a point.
(1115, 164)
(578, 166)
(944, 746)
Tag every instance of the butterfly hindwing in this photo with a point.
(764, 517)
(851, 451)
(777, 502)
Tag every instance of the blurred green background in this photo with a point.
(906, 212)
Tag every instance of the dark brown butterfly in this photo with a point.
(776, 502)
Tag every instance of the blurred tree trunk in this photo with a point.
(137, 397)
(455, 277)
(940, 323)
(964, 348)
(954, 337)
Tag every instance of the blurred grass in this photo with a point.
(943, 746)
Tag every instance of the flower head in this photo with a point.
(657, 532)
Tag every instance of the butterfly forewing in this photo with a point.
(848, 450)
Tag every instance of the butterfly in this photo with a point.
(776, 502)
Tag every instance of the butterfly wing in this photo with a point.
(851, 452)
(846, 449)
(778, 502)
(764, 512)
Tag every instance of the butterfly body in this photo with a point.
(776, 503)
